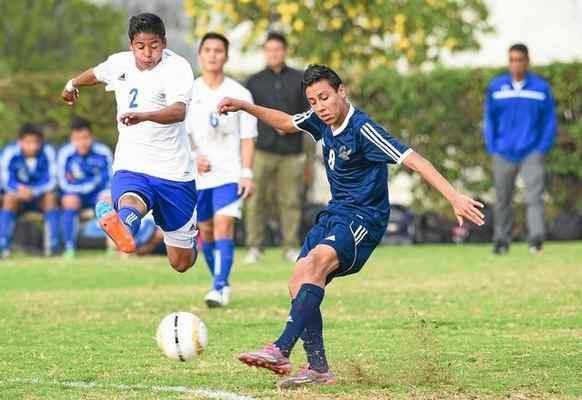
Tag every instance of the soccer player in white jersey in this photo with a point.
(153, 168)
(223, 151)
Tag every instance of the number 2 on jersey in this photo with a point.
(133, 94)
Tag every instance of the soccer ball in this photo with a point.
(182, 336)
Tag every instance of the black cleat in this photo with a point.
(500, 248)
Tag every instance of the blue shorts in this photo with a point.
(220, 200)
(173, 204)
(352, 241)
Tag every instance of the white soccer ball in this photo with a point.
(182, 336)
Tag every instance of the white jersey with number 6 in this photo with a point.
(218, 136)
(150, 148)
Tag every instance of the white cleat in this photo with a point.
(214, 299)
(225, 295)
(291, 255)
(253, 256)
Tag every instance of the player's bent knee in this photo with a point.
(181, 266)
(318, 266)
(71, 202)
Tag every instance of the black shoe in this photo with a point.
(536, 247)
(500, 248)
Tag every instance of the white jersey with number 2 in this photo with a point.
(150, 148)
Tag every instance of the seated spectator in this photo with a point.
(28, 171)
(84, 171)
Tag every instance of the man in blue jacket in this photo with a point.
(28, 171)
(519, 130)
(84, 172)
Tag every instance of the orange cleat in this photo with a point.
(112, 225)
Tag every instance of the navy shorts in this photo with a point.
(352, 241)
(220, 200)
(33, 205)
(173, 204)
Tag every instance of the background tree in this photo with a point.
(42, 43)
(362, 34)
(56, 35)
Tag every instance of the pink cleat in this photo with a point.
(305, 377)
(270, 357)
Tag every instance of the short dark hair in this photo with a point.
(520, 47)
(146, 22)
(78, 123)
(30, 129)
(277, 36)
(217, 36)
(316, 72)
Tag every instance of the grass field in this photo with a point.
(418, 322)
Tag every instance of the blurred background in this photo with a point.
(419, 67)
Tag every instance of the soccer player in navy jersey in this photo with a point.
(356, 151)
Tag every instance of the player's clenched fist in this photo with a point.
(70, 93)
(132, 118)
(229, 104)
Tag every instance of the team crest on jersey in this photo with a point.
(214, 120)
(122, 77)
(344, 153)
(505, 87)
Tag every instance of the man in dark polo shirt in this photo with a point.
(279, 160)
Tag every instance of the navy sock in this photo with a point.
(7, 221)
(208, 250)
(312, 338)
(70, 227)
(52, 231)
(223, 262)
(131, 217)
(303, 311)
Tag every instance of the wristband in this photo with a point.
(246, 173)
(69, 87)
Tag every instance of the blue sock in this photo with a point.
(223, 259)
(70, 225)
(312, 338)
(304, 310)
(208, 250)
(7, 221)
(51, 226)
(131, 218)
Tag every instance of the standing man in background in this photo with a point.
(224, 147)
(279, 161)
(519, 130)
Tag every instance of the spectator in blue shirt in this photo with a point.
(28, 172)
(84, 172)
(519, 130)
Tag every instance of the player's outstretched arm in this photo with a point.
(70, 93)
(463, 206)
(279, 120)
(168, 115)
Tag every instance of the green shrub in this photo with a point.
(440, 114)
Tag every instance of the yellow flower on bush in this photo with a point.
(298, 25)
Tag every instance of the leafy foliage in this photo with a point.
(51, 35)
(363, 33)
(440, 114)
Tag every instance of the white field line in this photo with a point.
(205, 393)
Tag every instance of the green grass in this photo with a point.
(418, 322)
